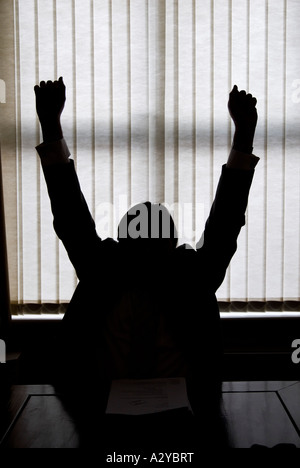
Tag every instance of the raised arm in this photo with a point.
(227, 215)
(72, 220)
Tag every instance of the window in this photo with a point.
(146, 118)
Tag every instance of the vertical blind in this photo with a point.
(146, 119)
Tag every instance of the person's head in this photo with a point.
(147, 227)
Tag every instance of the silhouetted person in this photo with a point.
(144, 306)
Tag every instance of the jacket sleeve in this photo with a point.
(72, 219)
(227, 216)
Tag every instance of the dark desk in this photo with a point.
(265, 413)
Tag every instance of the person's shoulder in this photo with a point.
(109, 243)
(185, 250)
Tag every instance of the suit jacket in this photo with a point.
(184, 287)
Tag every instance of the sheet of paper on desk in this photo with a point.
(137, 397)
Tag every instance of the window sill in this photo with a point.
(257, 315)
(223, 315)
(36, 317)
